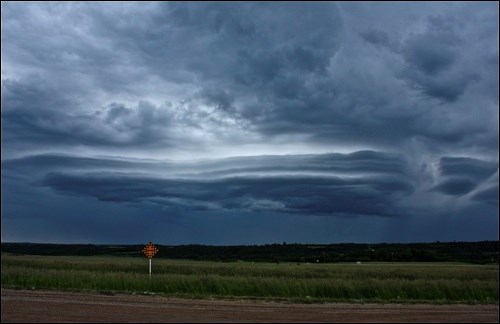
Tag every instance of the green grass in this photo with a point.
(368, 282)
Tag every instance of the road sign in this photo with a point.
(150, 250)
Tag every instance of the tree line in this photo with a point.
(472, 252)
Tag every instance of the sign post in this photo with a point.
(150, 250)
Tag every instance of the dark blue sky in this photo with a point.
(249, 123)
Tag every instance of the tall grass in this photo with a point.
(445, 283)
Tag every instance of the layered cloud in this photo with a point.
(360, 183)
(321, 108)
(462, 175)
(365, 182)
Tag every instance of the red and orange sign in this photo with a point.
(150, 250)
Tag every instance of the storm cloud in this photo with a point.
(360, 183)
(462, 175)
(374, 113)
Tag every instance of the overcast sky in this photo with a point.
(249, 122)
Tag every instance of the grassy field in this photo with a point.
(315, 282)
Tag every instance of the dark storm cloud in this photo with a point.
(379, 38)
(461, 166)
(356, 163)
(431, 59)
(259, 38)
(456, 186)
(203, 80)
(39, 165)
(238, 51)
(361, 162)
(364, 182)
(274, 69)
(431, 53)
(305, 195)
(462, 175)
(488, 195)
(439, 61)
(43, 116)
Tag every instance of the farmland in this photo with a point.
(382, 282)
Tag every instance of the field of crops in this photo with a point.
(298, 282)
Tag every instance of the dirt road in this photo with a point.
(44, 306)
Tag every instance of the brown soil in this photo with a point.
(44, 306)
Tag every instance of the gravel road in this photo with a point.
(49, 306)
